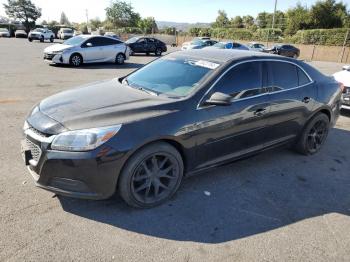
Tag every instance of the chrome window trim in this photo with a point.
(249, 61)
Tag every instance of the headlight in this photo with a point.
(85, 139)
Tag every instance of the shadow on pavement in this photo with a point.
(253, 196)
(127, 65)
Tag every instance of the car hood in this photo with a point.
(102, 104)
(56, 48)
(343, 77)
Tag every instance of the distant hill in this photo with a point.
(180, 26)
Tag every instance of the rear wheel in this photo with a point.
(158, 52)
(314, 135)
(120, 59)
(151, 176)
(76, 60)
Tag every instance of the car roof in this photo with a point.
(221, 55)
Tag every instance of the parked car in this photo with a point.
(21, 34)
(343, 77)
(146, 45)
(76, 33)
(65, 33)
(198, 44)
(87, 49)
(229, 45)
(284, 50)
(41, 34)
(4, 32)
(256, 47)
(178, 115)
(111, 34)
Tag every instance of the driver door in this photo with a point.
(239, 128)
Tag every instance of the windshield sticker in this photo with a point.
(206, 64)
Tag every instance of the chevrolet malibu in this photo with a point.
(87, 49)
(189, 111)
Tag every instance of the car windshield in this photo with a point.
(132, 40)
(171, 76)
(39, 30)
(220, 45)
(76, 40)
(3, 30)
(67, 31)
(197, 42)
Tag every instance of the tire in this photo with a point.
(42, 39)
(30, 40)
(120, 59)
(76, 60)
(314, 135)
(158, 52)
(51, 39)
(147, 53)
(151, 176)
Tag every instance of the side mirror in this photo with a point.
(219, 99)
(89, 45)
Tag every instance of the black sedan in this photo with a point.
(284, 50)
(181, 114)
(146, 45)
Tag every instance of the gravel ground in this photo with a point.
(276, 206)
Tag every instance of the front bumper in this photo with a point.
(345, 101)
(35, 37)
(88, 175)
(56, 58)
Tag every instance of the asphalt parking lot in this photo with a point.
(276, 206)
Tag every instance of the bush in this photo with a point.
(232, 33)
(333, 37)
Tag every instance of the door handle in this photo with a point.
(306, 100)
(260, 112)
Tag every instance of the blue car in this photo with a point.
(229, 45)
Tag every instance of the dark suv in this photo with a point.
(284, 50)
(146, 45)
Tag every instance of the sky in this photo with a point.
(190, 11)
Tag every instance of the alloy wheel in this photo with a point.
(120, 59)
(76, 60)
(155, 178)
(317, 136)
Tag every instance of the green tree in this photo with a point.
(248, 21)
(327, 14)
(263, 19)
(148, 25)
(23, 10)
(222, 20)
(169, 30)
(236, 22)
(298, 18)
(64, 19)
(122, 14)
(95, 23)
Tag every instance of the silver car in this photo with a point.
(4, 32)
(87, 49)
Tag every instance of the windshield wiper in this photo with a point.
(147, 91)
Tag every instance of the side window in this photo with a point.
(109, 41)
(242, 81)
(303, 78)
(282, 76)
(142, 41)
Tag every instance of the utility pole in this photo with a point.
(87, 18)
(273, 23)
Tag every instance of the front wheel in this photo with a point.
(151, 176)
(76, 60)
(30, 40)
(314, 135)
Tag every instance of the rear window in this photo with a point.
(303, 78)
(282, 76)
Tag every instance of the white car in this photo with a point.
(65, 33)
(344, 78)
(4, 32)
(87, 49)
(41, 34)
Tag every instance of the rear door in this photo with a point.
(240, 128)
(291, 93)
(112, 48)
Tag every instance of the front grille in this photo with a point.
(35, 150)
(49, 56)
(346, 90)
